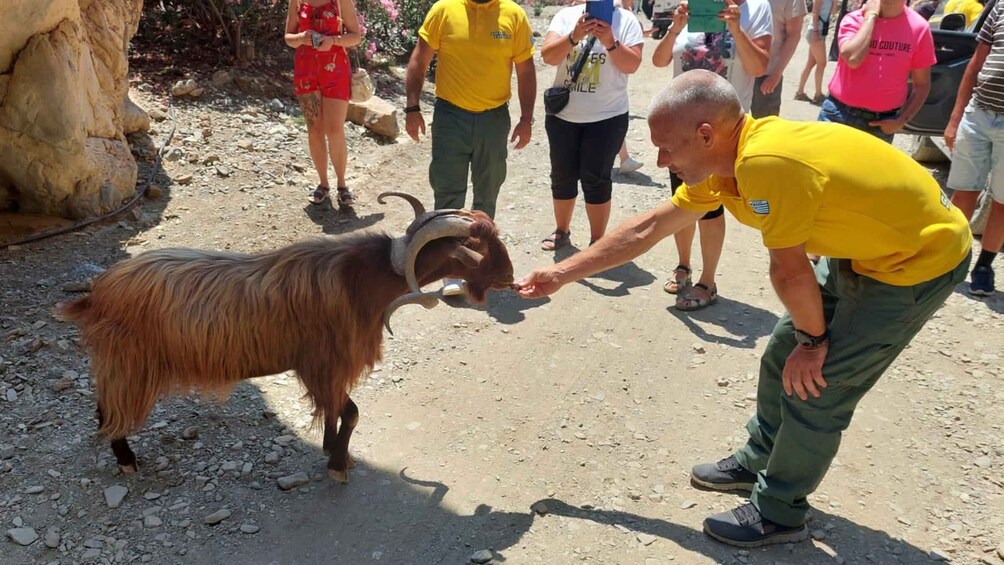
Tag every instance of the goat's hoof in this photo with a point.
(128, 469)
(340, 476)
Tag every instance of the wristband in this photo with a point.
(571, 41)
(410, 109)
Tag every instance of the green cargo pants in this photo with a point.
(792, 441)
(463, 141)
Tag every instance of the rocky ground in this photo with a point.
(554, 431)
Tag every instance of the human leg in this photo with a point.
(488, 159)
(452, 146)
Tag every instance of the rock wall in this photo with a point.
(63, 87)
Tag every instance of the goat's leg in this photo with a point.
(337, 444)
(120, 447)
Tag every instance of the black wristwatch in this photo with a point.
(413, 108)
(811, 341)
(613, 47)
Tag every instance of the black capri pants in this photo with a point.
(584, 152)
(675, 182)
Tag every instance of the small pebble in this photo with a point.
(217, 517)
(483, 556)
(249, 528)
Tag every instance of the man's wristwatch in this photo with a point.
(527, 119)
(810, 341)
(410, 109)
(613, 47)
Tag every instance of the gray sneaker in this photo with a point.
(725, 475)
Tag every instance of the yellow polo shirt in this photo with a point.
(477, 45)
(844, 194)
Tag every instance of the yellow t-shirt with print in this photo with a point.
(477, 45)
(844, 194)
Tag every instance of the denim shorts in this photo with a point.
(979, 152)
(830, 112)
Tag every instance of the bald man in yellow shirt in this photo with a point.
(894, 247)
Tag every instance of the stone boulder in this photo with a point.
(63, 98)
(377, 115)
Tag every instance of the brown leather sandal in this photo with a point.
(345, 197)
(680, 280)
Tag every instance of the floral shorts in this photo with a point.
(327, 72)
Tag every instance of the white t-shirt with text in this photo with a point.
(601, 90)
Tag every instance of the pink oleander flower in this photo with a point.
(371, 50)
(390, 7)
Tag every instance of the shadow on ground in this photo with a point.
(744, 323)
(852, 542)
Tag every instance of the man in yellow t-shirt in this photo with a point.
(895, 249)
(478, 42)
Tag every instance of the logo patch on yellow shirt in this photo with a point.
(761, 207)
(501, 35)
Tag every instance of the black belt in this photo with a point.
(862, 113)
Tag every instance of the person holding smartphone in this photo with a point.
(586, 135)
(321, 31)
(739, 54)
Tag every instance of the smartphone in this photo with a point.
(316, 40)
(704, 16)
(601, 10)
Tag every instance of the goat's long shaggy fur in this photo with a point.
(175, 320)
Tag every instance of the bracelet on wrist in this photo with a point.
(571, 41)
(413, 108)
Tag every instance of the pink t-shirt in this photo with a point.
(899, 45)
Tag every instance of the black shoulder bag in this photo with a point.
(556, 97)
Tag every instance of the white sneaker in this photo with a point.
(453, 287)
(629, 165)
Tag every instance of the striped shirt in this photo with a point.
(989, 93)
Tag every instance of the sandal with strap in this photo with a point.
(693, 301)
(556, 240)
(803, 97)
(678, 283)
(320, 194)
(345, 197)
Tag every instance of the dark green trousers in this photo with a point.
(793, 441)
(464, 141)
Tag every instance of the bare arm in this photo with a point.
(557, 47)
(629, 240)
(921, 88)
(350, 36)
(625, 59)
(294, 39)
(966, 91)
(793, 32)
(663, 56)
(753, 53)
(855, 49)
(417, 65)
(526, 87)
(796, 286)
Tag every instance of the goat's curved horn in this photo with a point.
(427, 299)
(444, 226)
(415, 202)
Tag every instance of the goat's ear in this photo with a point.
(470, 259)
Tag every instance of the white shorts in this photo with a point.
(978, 158)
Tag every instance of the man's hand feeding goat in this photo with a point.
(175, 320)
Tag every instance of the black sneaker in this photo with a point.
(746, 527)
(727, 474)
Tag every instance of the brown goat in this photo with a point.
(171, 321)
